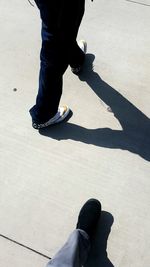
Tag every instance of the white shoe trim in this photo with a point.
(83, 45)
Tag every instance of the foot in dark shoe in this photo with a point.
(61, 114)
(83, 46)
(89, 216)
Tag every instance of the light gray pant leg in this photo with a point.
(75, 251)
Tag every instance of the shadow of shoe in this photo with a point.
(98, 255)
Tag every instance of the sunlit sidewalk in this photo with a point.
(102, 151)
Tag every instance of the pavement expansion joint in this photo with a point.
(24, 246)
(139, 3)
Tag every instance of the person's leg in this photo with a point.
(77, 55)
(53, 64)
(59, 30)
(75, 251)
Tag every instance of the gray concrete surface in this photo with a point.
(103, 151)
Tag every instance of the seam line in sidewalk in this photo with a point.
(24, 246)
(139, 3)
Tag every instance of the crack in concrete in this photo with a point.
(135, 2)
(24, 246)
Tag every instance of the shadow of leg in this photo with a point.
(98, 255)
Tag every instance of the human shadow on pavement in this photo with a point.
(135, 133)
(98, 254)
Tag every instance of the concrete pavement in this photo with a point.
(103, 151)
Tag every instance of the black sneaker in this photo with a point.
(89, 216)
(61, 114)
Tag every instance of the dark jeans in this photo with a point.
(60, 23)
